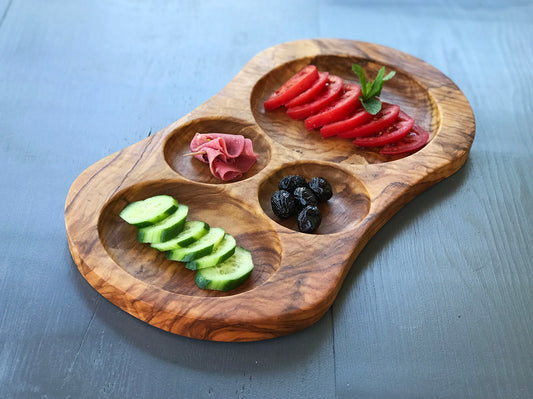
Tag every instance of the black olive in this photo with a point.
(309, 219)
(292, 182)
(304, 196)
(321, 188)
(283, 204)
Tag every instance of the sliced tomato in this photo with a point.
(380, 121)
(401, 126)
(311, 92)
(414, 140)
(356, 118)
(297, 84)
(327, 95)
(338, 109)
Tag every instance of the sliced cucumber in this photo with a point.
(192, 231)
(166, 229)
(149, 211)
(220, 253)
(227, 275)
(204, 246)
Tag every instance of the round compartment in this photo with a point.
(403, 90)
(349, 204)
(209, 204)
(177, 145)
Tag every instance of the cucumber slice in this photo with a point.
(226, 275)
(220, 253)
(166, 229)
(204, 246)
(149, 211)
(192, 231)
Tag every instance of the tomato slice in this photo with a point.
(380, 121)
(392, 134)
(327, 95)
(338, 109)
(414, 140)
(298, 83)
(358, 117)
(311, 92)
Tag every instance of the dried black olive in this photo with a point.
(283, 204)
(309, 219)
(304, 196)
(292, 182)
(321, 188)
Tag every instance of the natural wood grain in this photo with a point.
(297, 276)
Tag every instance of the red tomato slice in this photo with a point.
(311, 92)
(379, 122)
(327, 95)
(292, 87)
(392, 134)
(358, 117)
(338, 109)
(414, 140)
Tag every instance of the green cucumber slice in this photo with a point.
(226, 275)
(220, 253)
(199, 248)
(149, 211)
(166, 229)
(192, 231)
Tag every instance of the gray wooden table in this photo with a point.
(438, 305)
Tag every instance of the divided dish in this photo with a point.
(297, 276)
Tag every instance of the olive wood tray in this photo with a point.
(297, 276)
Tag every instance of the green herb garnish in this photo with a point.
(372, 89)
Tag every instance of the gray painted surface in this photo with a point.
(439, 303)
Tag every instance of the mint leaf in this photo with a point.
(372, 105)
(376, 88)
(370, 90)
(358, 70)
(377, 85)
(390, 75)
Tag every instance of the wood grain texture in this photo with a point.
(297, 276)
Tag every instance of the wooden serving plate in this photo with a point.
(297, 276)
